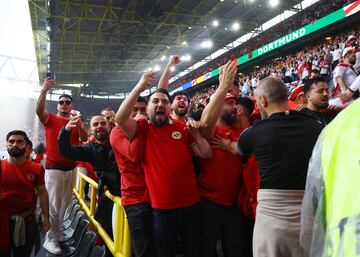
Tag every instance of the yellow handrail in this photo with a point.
(121, 245)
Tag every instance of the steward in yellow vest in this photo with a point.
(330, 218)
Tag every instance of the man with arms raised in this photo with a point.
(59, 170)
(219, 179)
(168, 168)
(129, 155)
(99, 154)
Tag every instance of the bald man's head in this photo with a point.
(271, 91)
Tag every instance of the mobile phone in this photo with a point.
(75, 112)
(49, 74)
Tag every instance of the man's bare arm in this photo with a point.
(212, 111)
(40, 104)
(122, 116)
(164, 80)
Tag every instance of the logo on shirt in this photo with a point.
(31, 177)
(176, 135)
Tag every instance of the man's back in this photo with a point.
(282, 144)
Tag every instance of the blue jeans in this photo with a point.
(140, 222)
(168, 224)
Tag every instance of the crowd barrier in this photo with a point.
(121, 245)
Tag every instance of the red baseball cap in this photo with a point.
(230, 96)
(296, 92)
(352, 38)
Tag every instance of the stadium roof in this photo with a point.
(104, 46)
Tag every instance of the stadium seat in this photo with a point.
(71, 245)
(69, 210)
(97, 252)
(86, 244)
(68, 221)
(69, 232)
(77, 235)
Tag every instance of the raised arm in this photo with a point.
(40, 104)
(122, 116)
(212, 111)
(72, 152)
(164, 80)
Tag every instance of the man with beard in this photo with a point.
(219, 179)
(168, 169)
(316, 92)
(22, 182)
(353, 42)
(282, 143)
(344, 73)
(59, 175)
(100, 155)
(179, 106)
(179, 100)
(129, 155)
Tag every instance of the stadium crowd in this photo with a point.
(321, 57)
(229, 165)
(311, 14)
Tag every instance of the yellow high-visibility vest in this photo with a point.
(340, 159)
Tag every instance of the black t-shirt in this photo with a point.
(282, 145)
(322, 117)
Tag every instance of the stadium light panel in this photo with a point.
(215, 23)
(236, 26)
(273, 3)
(157, 68)
(207, 44)
(172, 68)
(185, 58)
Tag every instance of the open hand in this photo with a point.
(227, 74)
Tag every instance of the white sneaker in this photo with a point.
(52, 247)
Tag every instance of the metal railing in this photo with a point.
(121, 245)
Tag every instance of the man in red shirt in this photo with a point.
(129, 155)
(168, 168)
(22, 182)
(179, 105)
(220, 178)
(59, 177)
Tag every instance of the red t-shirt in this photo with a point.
(18, 183)
(89, 168)
(247, 199)
(220, 176)
(168, 166)
(129, 156)
(53, 158)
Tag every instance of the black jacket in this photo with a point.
(100, 156)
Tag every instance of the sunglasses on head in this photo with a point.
(65, 102)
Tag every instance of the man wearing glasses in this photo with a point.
(59, 170)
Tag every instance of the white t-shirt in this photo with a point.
(355, 85)
(336, 54)
(357, 64)
(346, 72)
